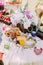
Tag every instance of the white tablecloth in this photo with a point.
(20, 56)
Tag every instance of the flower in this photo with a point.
(28, 14)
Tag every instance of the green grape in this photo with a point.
(11, 11)
(14, 0)
(6, 46)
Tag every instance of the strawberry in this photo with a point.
(8, 19)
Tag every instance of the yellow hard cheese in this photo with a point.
(21, 39)
(22, 42)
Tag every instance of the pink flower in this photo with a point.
(3, 28)
(28, 14)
